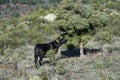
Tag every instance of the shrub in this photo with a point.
(83, 10)
(15, 14)
(85, 38)
(104, 37)
(60, 70)
(51, 56)
(2, 52)
(44, 76)
(113, 25)
(116, 31)
(113, 5)
(112, 49)
(75, 21)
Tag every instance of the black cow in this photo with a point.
(41, 49)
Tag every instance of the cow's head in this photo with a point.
(61, 40)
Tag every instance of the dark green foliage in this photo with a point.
(80, 20)
(85, 38)
(83, 10)
(2, 51)
(99, 19)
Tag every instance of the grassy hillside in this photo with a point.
(28, 29)
(95, 23)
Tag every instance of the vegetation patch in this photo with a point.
(60, 70)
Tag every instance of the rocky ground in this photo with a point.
(18, 64)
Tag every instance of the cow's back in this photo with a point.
(44, 47)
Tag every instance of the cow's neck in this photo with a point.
(55, 44)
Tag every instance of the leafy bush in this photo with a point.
(60, 70)
(15, 14)
(99, 19)
(113, 25)
(2, 52)
(83, 10)
(113, 5)
(112, 49)
(85, 38)
(51, 56)
(73, 42)
(104, 37)
(44, 76)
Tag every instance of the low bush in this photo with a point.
(60, 70)
(104, 37)
(51, 56)
(44, 76)
(2, 52)
(113, 49)
(113, 5)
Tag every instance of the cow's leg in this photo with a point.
(36, 59)
(40, 61)
(41, 55)
(36, 52)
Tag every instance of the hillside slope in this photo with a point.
(95, 23)
(20, 65)
(18, 8)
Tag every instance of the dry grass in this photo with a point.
(92, 67)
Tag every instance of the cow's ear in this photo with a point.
(60, 37)
(57, 40)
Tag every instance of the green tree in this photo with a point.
(80, 20)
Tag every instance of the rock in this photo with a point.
(50, 17)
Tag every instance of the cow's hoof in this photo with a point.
(36, 66)
(41, 64)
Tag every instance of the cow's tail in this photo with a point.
(36, 50)
(35, 55)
